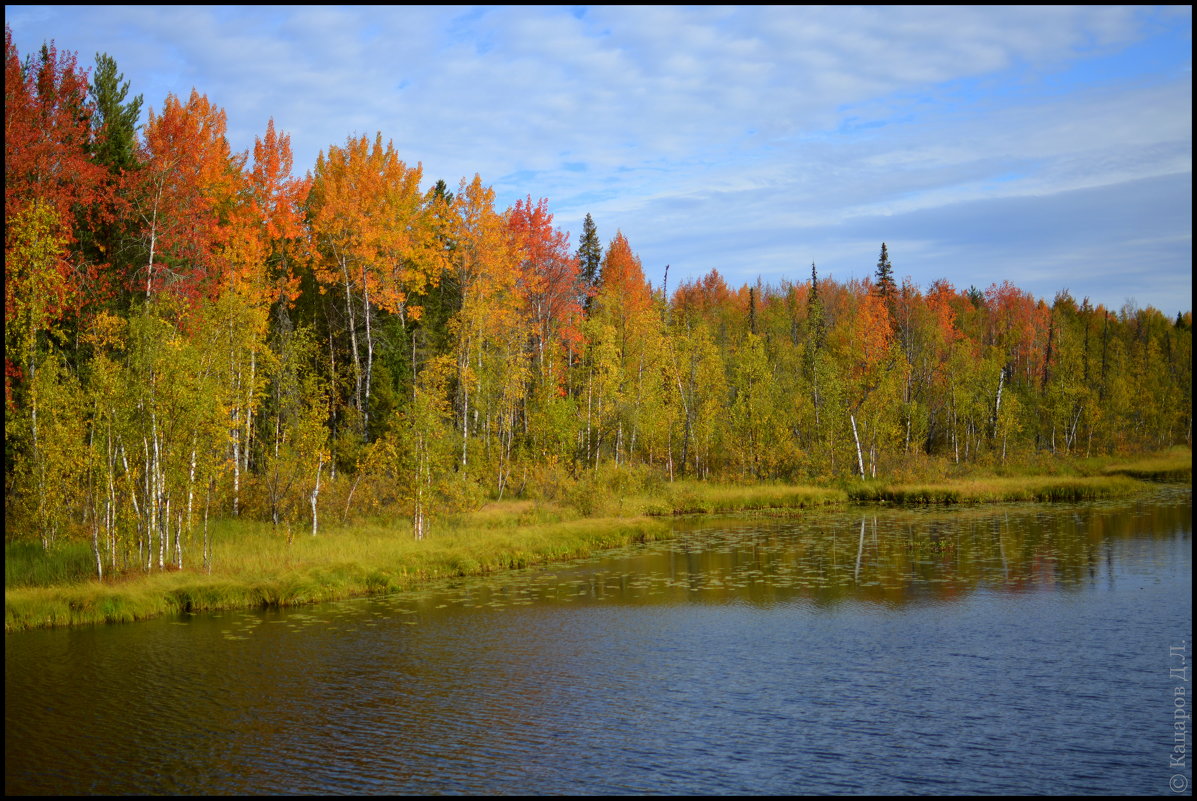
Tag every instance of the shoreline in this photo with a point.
(256, 567)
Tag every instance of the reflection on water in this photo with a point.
(997, 649)
(893, 556)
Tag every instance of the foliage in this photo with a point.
(193, 334)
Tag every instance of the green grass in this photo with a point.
(257, 568)
(26, 564)
(258, 565)
(1174, 464)
(990, 490)
(691, 497)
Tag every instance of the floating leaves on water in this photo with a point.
(888, 556)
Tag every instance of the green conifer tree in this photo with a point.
(886, 287)
(115, 121)
(590, 258)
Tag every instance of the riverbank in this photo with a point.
(257, 565)
(993, 490)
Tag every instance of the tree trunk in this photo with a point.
(95, 546)
(856, 438)
(316, 492)
(369, 352)
(149, 270)
(463, 380)
(997, 405)
(357, 361)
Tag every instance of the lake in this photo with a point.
(996, 649)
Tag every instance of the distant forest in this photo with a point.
(191, 331)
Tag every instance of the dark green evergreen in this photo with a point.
(115, 121)
(977, 297)
(752, 309)
(814, 312)
(886, 287)
(590, 257)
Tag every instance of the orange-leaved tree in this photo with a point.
(373, 237)
(185, 189)
(552, 288)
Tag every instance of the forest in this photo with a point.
(194, 333)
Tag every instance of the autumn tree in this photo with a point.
(47, 137)
(187, 180)
(865, 346)
(48, 163)
(699, 375)
(624, 302)
(752, 428)
(551, 285)
(373, 239)
(42, 400)
(109, 241)
(416, 450)
(295, 448)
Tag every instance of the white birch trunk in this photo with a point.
(151, 501)
(856, 438)
(357, 362)
(997, 405)
(149, 270)
(315, 494)
(190, 485)
(369, 351)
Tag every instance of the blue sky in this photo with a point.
(1048, 146)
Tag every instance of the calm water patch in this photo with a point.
(998, 649)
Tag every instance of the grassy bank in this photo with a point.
(692, 497)
(1175, 464)
(257, 565)
(991, 490)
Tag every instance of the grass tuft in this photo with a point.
(1175, 464)
(992, 490)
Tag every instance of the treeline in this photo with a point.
(193, 332)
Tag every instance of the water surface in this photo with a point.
(997, 649)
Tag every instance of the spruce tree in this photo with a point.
(885, 277)
(590, 258)
(107, 240)
(752, 310)
(115, 121)
(814, 312)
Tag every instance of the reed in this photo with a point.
(992, 490)
(1174, 464)
(692, 497)
(27, 564)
